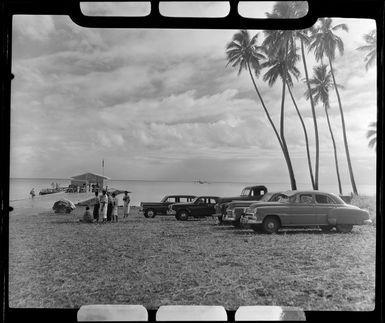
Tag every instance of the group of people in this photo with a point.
(55, 185)
(106, 208)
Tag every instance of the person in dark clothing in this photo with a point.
(96, 207)
(109, 207)
(87, 217)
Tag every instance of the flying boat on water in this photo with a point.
(201, 182)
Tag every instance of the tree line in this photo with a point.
(279, 52)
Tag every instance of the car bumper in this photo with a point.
(228, 218)
(171, 212)
(368, 222)
(250, 220)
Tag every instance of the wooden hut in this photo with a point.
(89, 180)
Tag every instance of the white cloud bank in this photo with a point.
(161, 104)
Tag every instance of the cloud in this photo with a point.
(164, 102)
(115, 9)
(37, 28)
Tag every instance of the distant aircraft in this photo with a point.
(200, 182)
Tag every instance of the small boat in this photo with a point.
(200, 182)
(46, 191)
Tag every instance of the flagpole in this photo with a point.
(103, 167)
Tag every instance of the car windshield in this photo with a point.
(337, 199)
(278, 197)
(246, 192)
(266, 197)
(164, 199)
(196, 199)
(287, 199)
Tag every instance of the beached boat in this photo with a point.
(46, 191)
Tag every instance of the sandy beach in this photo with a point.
(56, 261)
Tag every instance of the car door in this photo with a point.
(302, 210)
(324, 204)
(199, 207)
(211, 206)
(170, 200)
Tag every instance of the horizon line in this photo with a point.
(187, 181)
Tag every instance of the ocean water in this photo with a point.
(144, 191)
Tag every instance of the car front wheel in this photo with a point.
(270, 224)
(182, 215)
(150, 213)
(344, 228)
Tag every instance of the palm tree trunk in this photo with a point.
(306, 138)
(285, 153)
(282, 128)
(344, 132)
(314, 119)
(264, 107)
(335, 151)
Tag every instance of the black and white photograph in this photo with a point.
(230, 167)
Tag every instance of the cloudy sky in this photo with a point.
(161, 104)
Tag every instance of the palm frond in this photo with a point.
(341, 26)
(340, 45)
(371, 134)
(365, 48)
(373, 143)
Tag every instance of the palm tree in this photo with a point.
(325, 43)
(279, 43)
(279, 66)
(370, 47)
(372, 135)
(300, 9)
(244, 52)
(321, 83)
(370, 58)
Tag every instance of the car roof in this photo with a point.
(180, 195)
(255, 186)
(293, 192)
(209, 196)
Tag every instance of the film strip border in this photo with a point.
(169, 313)
(343, 8)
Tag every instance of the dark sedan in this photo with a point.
(200, 207)
(151, 209)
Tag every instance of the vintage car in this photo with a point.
(249, 193)
(151, 209)
(200, 207)
(236, 209)
(305, 209)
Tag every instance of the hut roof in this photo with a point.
(89, 177)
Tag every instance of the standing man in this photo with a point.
(96, 206)
(126, 200)
(103, 201)
(109, 207)
(115, 206)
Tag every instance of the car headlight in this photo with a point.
(255, 211)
